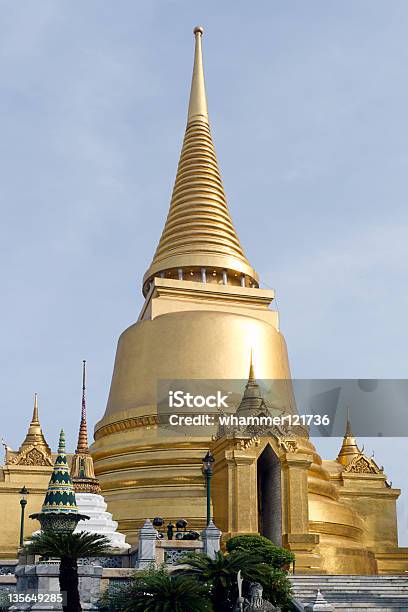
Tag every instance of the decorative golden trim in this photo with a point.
(290, 445)
(87, 485)
(130, 423)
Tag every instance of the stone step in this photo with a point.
(372, 607)
(352, 590)
(349, 592)
(340, 578)
(356, 594)
(351, 585)
(351, 577)
(345, 597)
(350, 598)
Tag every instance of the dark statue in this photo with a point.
(255, 601)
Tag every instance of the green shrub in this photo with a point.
(155, 590)
(271, 554)
(276, 584)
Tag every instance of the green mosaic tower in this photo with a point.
(59, 511)
(60, 496)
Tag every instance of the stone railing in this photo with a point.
(171, 551)
(153, 550)
(7, 570)
(7, 580)
(98, 573)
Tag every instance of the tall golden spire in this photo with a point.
(82, 467)
(35, 436)
(199, 234)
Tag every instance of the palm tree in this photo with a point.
(220, 574)
(68, 547)
(156, 590)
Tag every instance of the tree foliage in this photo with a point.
(158, 591)
(75, 545)
(199, 583)
(271, 554)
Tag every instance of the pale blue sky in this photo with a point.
(308, 105)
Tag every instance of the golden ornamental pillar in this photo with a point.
(295, 519)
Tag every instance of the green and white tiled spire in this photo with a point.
(59, 513)
(60, 496)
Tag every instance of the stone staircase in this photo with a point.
(355, 593)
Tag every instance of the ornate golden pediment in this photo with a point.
(362, 465)
(32, 455)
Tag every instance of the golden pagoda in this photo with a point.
(203, 315)
(31, 467)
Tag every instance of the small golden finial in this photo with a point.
(197, 109)
(349, 448)
(349, 432)
(251, 368)
(35, 411)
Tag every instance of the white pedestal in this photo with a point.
(100, 521)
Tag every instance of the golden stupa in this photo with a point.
(203, 315)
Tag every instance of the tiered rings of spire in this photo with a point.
(199, 241)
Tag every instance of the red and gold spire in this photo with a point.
(82, 468)
(83, 446)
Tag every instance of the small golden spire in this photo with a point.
(197, 108)
(252, 402)
(349, 432)
(35, 436)
(35, 411)
(349, 448)
(251, 369)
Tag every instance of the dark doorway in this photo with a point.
(269, 496)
